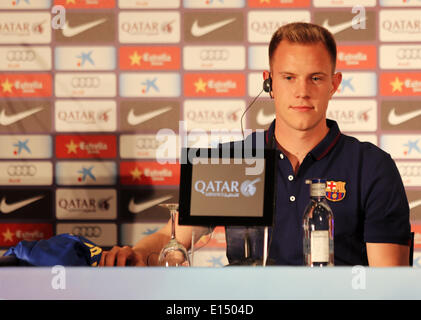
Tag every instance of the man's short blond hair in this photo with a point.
(304, 33)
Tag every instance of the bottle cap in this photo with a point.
(318, 180)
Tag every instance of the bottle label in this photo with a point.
(319, 246)
(318, 190)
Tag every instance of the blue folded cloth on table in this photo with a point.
(63, 249)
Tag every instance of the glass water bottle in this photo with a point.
(318, 227)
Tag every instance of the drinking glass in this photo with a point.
(173, 254)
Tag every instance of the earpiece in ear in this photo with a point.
(267, 85)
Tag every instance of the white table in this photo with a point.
(229, 283)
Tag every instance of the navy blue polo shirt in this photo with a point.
(364, 190)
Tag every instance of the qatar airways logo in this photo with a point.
(226, 189)
(213, 116)
(402, 26)
(21, 28)
(266, 27)
(85, 117)
(149, 28)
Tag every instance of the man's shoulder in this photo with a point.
(364, 149)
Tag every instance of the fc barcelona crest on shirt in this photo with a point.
(335, 190)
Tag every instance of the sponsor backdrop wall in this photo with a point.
(81, 105)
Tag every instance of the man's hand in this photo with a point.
(121, 257)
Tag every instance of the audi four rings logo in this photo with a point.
(27, 170)
(147, 143)
(214, 54)
(409, 53)
(86, 82)
(410, 170)
(20, 55)
(87, 231)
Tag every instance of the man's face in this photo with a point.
(302, 84)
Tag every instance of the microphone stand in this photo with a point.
(248, 260)
(265, 246)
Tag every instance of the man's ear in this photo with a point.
(266, 75)
(267, 83)
(336, 81)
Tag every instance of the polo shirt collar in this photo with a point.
(323, 148)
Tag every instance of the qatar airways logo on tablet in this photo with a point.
(226, 189)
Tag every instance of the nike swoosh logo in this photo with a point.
(73, 31)
(6, 120)
(340, 27)
(136, 208)
(414, 204)
(134, 120)
(395, 119)
(263, 119)
(8, 208)
(199, 31)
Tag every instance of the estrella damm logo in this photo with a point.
(335, 190)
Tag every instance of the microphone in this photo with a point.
(267, 87)
(247, 109)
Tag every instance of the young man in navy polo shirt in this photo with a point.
(363, 184)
